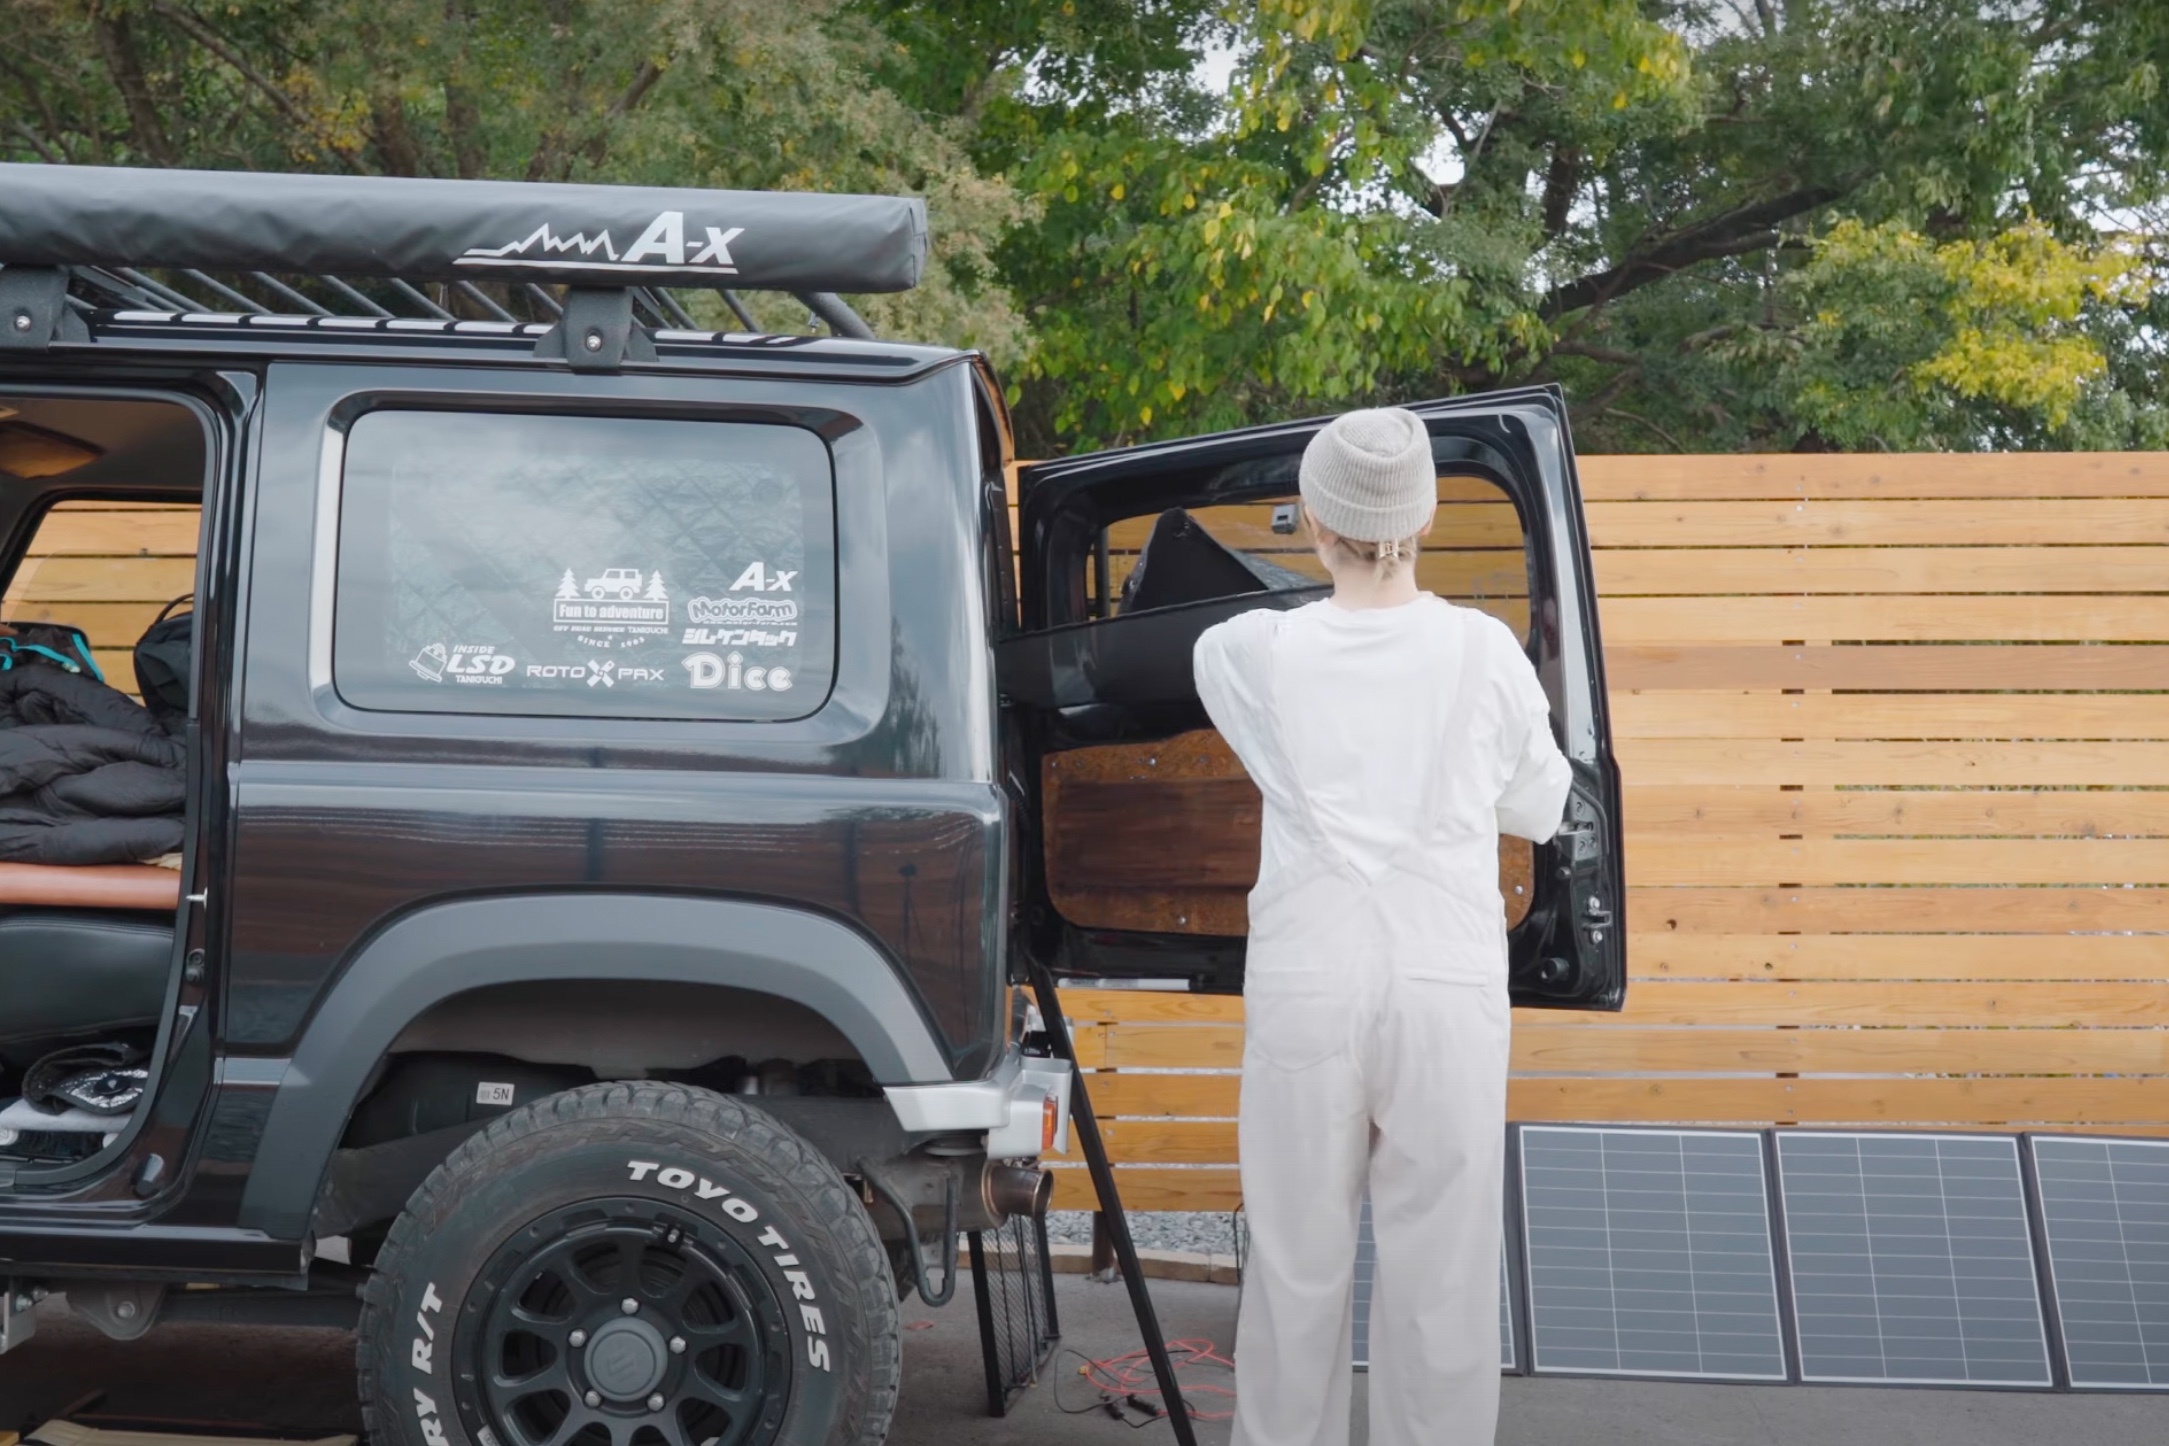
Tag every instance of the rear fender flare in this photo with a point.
(449, 949)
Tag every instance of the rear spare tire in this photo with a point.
(631, 1265)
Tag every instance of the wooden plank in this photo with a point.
(1943, 1004)
(1658, 860)
(1124, 1093)
(1903, 618)
(1891, 1103)
(2000, 521)
(1961, 765)
(1712, 810)
(1896, 910)
(115, 625)
(1673, 478)
(1650, 714)
(1108, 1006)
(1629, 572)
(1886, 956)
(1555, 1049)
(107, 533)
(1159, 1046)
(66, 578)
(2010, 1099)
(1889, 668)
(1542, 1047)
(1249, 527)
(1150, 1189)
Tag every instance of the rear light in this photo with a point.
(1050, 1119)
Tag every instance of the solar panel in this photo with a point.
(1649, 1253)
(1367, 1274)
(1912, 1261)
(2105, 1216)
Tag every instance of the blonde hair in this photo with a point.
(1385, 559)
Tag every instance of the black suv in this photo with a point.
(622, 787)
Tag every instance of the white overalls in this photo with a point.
(1392, 746)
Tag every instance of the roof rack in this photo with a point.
(593, 264)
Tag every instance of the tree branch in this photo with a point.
(1608, 354)
(1751, 227)
(37, 143)
(1561, 181)
(1669, 440)
(217, 44)
(117, 45)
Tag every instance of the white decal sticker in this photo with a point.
(493, 1094)
(735, 610)
(429, 663)
(758, 578)
(616, 607)
(706, 670)
(661, 247)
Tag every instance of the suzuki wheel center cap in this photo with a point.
(626, 1359)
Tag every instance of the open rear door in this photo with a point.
(1145, 841)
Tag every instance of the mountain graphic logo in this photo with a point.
(661, 247)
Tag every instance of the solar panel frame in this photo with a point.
(1511, 1350)
(1766, 1271)
(2073, 1375)
(1790, 1220)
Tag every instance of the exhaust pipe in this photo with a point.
(1008, 1190)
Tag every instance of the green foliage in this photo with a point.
(1718, 224)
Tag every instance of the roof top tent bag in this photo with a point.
(440, 230)
(1146, 839)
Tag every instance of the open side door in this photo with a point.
(1143, 840)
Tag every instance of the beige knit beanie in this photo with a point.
(1368, 475)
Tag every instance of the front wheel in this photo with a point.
(631, 1265)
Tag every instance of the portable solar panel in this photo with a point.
(1911, 1259)
(1367, 1273)
(2105, 1218)
(1649, 1253)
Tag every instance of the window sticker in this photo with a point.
(584, 566)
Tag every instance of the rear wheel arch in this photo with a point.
(408, 972)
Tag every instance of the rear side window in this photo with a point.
(584, 566)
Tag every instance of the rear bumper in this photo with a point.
(1009, 1105)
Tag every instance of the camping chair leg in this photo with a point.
(1118, 1224)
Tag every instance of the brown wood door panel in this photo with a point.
(1163, 837)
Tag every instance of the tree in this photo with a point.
(1719, 224)
(1408, 197)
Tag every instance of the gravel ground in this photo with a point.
(1206, 1233)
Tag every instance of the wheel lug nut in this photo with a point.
(593, 1398)
(577, 1339)
(655, 1402)
(629, 1306)
(677, 1345)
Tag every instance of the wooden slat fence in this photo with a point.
(106, 567)
(1895, 735)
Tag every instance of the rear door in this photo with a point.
(1144, 839)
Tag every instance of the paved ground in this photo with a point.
(300, 1382)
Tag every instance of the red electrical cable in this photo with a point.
(1127, 1375)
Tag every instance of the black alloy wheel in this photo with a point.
(618, 1323)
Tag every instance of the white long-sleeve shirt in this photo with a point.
(1393, 746)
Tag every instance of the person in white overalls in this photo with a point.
(1394, 736)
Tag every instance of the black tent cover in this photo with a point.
(441, 230)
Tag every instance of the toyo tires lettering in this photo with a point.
(673, 1177)
(422, 1355)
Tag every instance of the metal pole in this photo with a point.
(1118, 1224)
